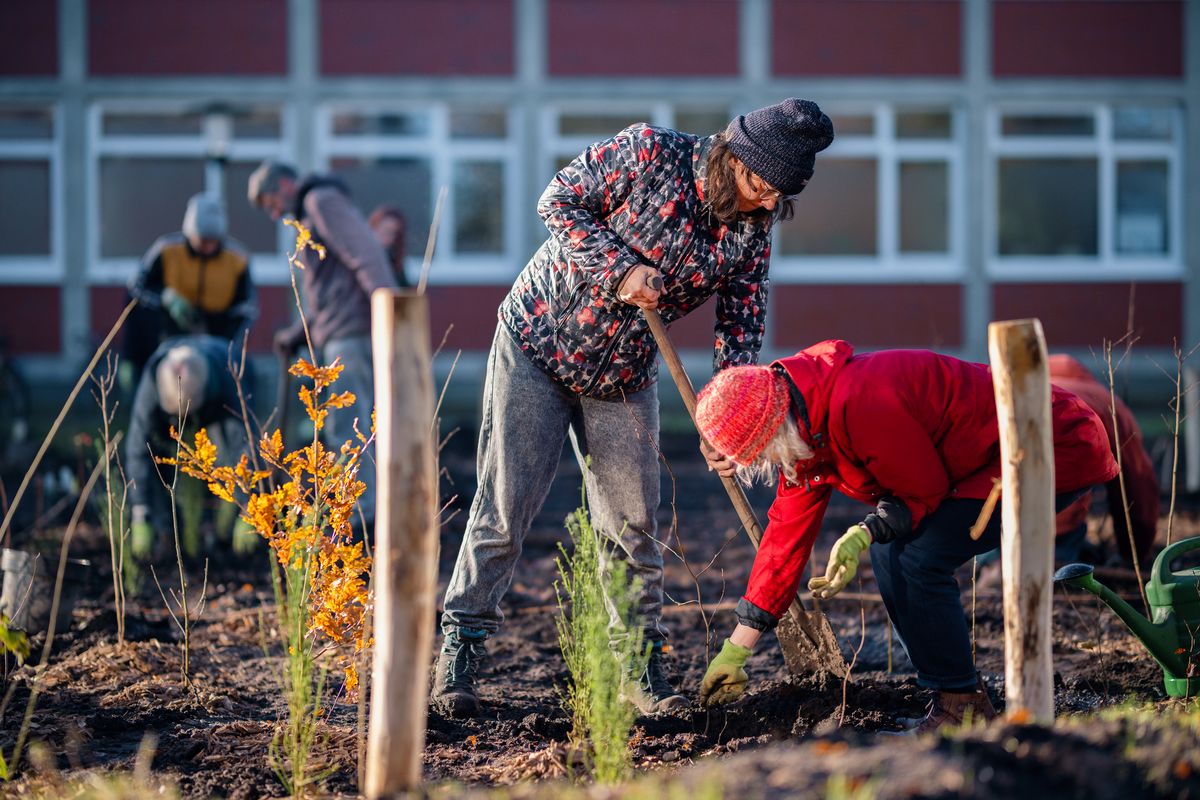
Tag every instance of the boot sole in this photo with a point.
(459, 706)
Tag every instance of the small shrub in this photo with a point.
(602, 644)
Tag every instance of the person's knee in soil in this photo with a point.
(901, 430)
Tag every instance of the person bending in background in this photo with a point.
(196, 281)
(337, 295)
(913, 433)
(1141, 483)
(188, 377)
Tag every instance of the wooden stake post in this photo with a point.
(1021, 380)
(406, 541)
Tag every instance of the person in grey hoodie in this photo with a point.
(337, 291)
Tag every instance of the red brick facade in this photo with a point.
(180, 37)
(416, 37)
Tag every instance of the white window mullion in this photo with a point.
(887, 199)
(1107, 200)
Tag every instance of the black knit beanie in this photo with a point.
(780, 143)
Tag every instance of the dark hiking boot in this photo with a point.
(951, 709)
(457, 666)
(654, 690)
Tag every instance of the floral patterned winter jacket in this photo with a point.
(634, 199)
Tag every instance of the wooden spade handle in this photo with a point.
(671, 356)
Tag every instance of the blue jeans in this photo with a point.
(527, 418)
(917, 583)
(357, 376)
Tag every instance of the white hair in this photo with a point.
(181, 377)
(781, 454)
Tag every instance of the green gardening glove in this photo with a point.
(185, 315)
(245, 538)
(141, 540)
(843, 562)
(726, 677)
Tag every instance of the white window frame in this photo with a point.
(442, 152)
(50, 268)
(267, 269)
(888, 264)
(1107, 264)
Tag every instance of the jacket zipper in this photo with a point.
(608, 354)
(572, 304)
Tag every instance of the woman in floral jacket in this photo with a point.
(573, 355)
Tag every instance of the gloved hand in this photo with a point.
(726, 676)
(245, 538)
(185, 315)
(843, 562)
(141, 539)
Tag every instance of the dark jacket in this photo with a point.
(636, 198)
(902, 430)
(337, 289)
(150, 425)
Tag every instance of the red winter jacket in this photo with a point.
(903, 429)
(1141, 484)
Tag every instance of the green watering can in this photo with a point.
(1173, 637)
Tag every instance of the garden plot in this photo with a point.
(789, 736)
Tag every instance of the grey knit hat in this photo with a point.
(780, 143)
(204, 218)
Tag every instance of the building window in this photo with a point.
(28, 179)
(402, 157)
(882, 202)
(151, 157)
(1086, 187)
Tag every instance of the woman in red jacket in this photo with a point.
(911, 432)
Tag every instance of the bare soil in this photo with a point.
(786, 738)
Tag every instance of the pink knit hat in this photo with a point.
(741, 409)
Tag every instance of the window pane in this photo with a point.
(26, 123)
(392, 123)
(1143, 123)
(479, 207)
(924, 207)
(120, 123)
(1142, 216)
(24, 208)
(923, 125)
(257, 123)
(488, 124)
(702, 122)
(247, 224)
(836, 213)
(1048, 207)
(853, 124)
(403, 183)
(1048, 125)
(143, 198)
(599, 125)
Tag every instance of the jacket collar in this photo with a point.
(813, 372)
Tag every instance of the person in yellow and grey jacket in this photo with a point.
(196, 281)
